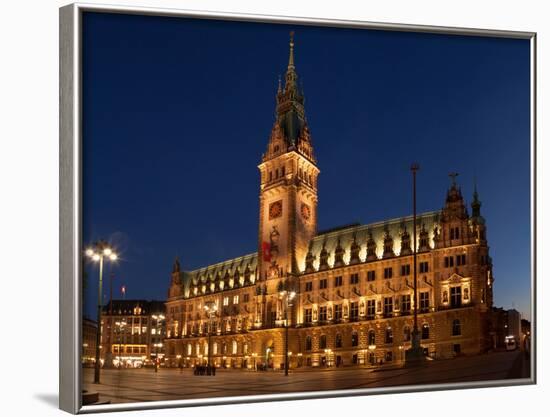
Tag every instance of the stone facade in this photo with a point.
(347, 293)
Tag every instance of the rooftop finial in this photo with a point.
(453, 176)
(279, 88)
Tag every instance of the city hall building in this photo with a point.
(345, 294)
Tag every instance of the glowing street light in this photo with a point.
(98, 253)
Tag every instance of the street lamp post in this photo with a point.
(414, 354)
(97, 253)
(211, 308)
(287, 297)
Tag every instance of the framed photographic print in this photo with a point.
(262, 208)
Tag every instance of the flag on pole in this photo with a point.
(266, 250)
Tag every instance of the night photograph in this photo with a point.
(276, 209)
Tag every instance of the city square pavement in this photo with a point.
(138, 385)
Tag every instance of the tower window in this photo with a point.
(354, 279)
(460, 260)
(277, 173)
(323, 284)
(270, 176)
(388, 272)
(338, 281)
(371, 275)
(455, 233)
(283, 171)
(424, 267)
(456, 297)
(456, 331)
(405, 270)
(449, 261)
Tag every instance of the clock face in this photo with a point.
(275, 209)
(305, 211)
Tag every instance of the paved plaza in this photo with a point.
(138, 385)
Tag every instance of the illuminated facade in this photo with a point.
(133, 331)
(346, 293)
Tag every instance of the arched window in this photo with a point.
(425, 331)
(354, 339)
(214, 348)
(407, 334)
(338, 342)
(189, 349)
(234, 347)
(388, 335)
(308, 343)
(323, 342)
(372, 337)
(457, 331)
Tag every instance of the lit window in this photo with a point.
(372, 337)
(405, 303)
(338, 341)
(354, 339)
(425, 331)
(225, 301)
(388, 306)
(424, 300)
(307, 315)
(371, 308)
(234, 347)
(388, 336)
(337, 312)
(235, 299)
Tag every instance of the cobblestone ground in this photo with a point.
(139, 385)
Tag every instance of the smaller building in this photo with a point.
(505, 324)
(89, 341)
(133, 333)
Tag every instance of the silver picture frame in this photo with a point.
(70, 197)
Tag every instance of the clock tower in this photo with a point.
(288, 188)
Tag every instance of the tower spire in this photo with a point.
(291, 55)
(291, 75)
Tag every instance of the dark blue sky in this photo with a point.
(177, 113)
